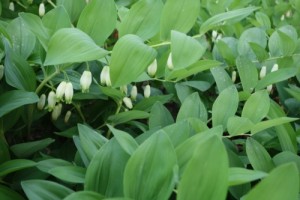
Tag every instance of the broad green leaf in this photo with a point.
(239, 125)
(227, 48)
(84, 158)
(192, 107)
(221, 77)
(90, 140)
(8, 194)
(199, 85)
(98, 19)
(23, 40)
(186, 14)
(4, 148)
(149, 173)
(69, 45)
(257, 106)
(26, 149)
(89, 195)
(252, 35)
(263, 19)
(227, 17)
(206, 174)
(56, 19)
(71, 174)
(15, 165)
(271, 123)
(294, 91)
(17, 70)
(275, 77)
(74, 8)
(178, 132)
(259, 51)
(258, 156)
(247, 73)
(48, 164)
(34, 23)
(127, 116)
(238, 176)
(105, 172)
(142, 19)
(160, 116)
(45, 190)
(126, 141)
(185, 50)
(193, 69)
(282, 183)
(147, 103)
(14, 99)
(115, 94)
(130, 58)
(225, 106)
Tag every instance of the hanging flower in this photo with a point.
(124, 89)
(105, 77)
(85, 81)
(263, 72)
(170, 62)
(42, 10)
(11, 6)
(67, 116)
(152, 68)
(42, 101)
(56, 112)
(274, 68)
(233, 76)
(60, 90)
(69, 93)
(133, 93)
(128, 103)
(147, 91)
(51, 100)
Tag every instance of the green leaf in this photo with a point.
(98, 19)
(225, 106)
(80, 151)
(48, 164)
(275, 77)
(74, 8)
(26, 149)
(221, 77)
(70, 45)
(258, 156)
(15, 165)
(239, 125)
(149, 173)
(71, 174)
(17, 70)
(238, 176)
(23, 40)
(261, 102)
(130, 58)
(34, 23)
(124, 117)
(159, 116)
(247, 73)
(185, 50)
(192, 107)
(271, 123)
(9, 194)
(282, 183)
(91, 141)
(14, 99)
(147, 103)
(56, 19)
(105, 172)
(227, 17)
(208, 169)
(44, 190)
(84, 195)
(142, 19)
(186, 14)
(125, 140)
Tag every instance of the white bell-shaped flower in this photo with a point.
(60, 90)
(152, 68)
(69, 93)
(147, 91)
(170, 62)
(67, 116)
(42, 101)
(128, 103)
(42, 9)
(133, 93)
(263, 72)
(85, 81)
(56, 112)
(51, 100)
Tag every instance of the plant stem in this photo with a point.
(38, 89)
(51, 3)
(80, 112)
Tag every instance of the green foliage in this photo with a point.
(149, 99)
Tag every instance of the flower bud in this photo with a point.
(147, 91)
(152, 68)
(128, 103)
(42, 10)
(214, 35)
(124, 89)
(60, 90)
(11, 6)
(1, 71)
(56, 112)
(263, 72)
(87, 1)
(51, 100)
(282, 17)
(85, 81)
(41, 102)
(274, 68)
(105, 77)
(269, 88)
(170, 62)
(133, 93)
(69, 93)
(67, 116)
(233, 76)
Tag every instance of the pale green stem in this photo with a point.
(44, 82)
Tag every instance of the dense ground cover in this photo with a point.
(149, 99)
